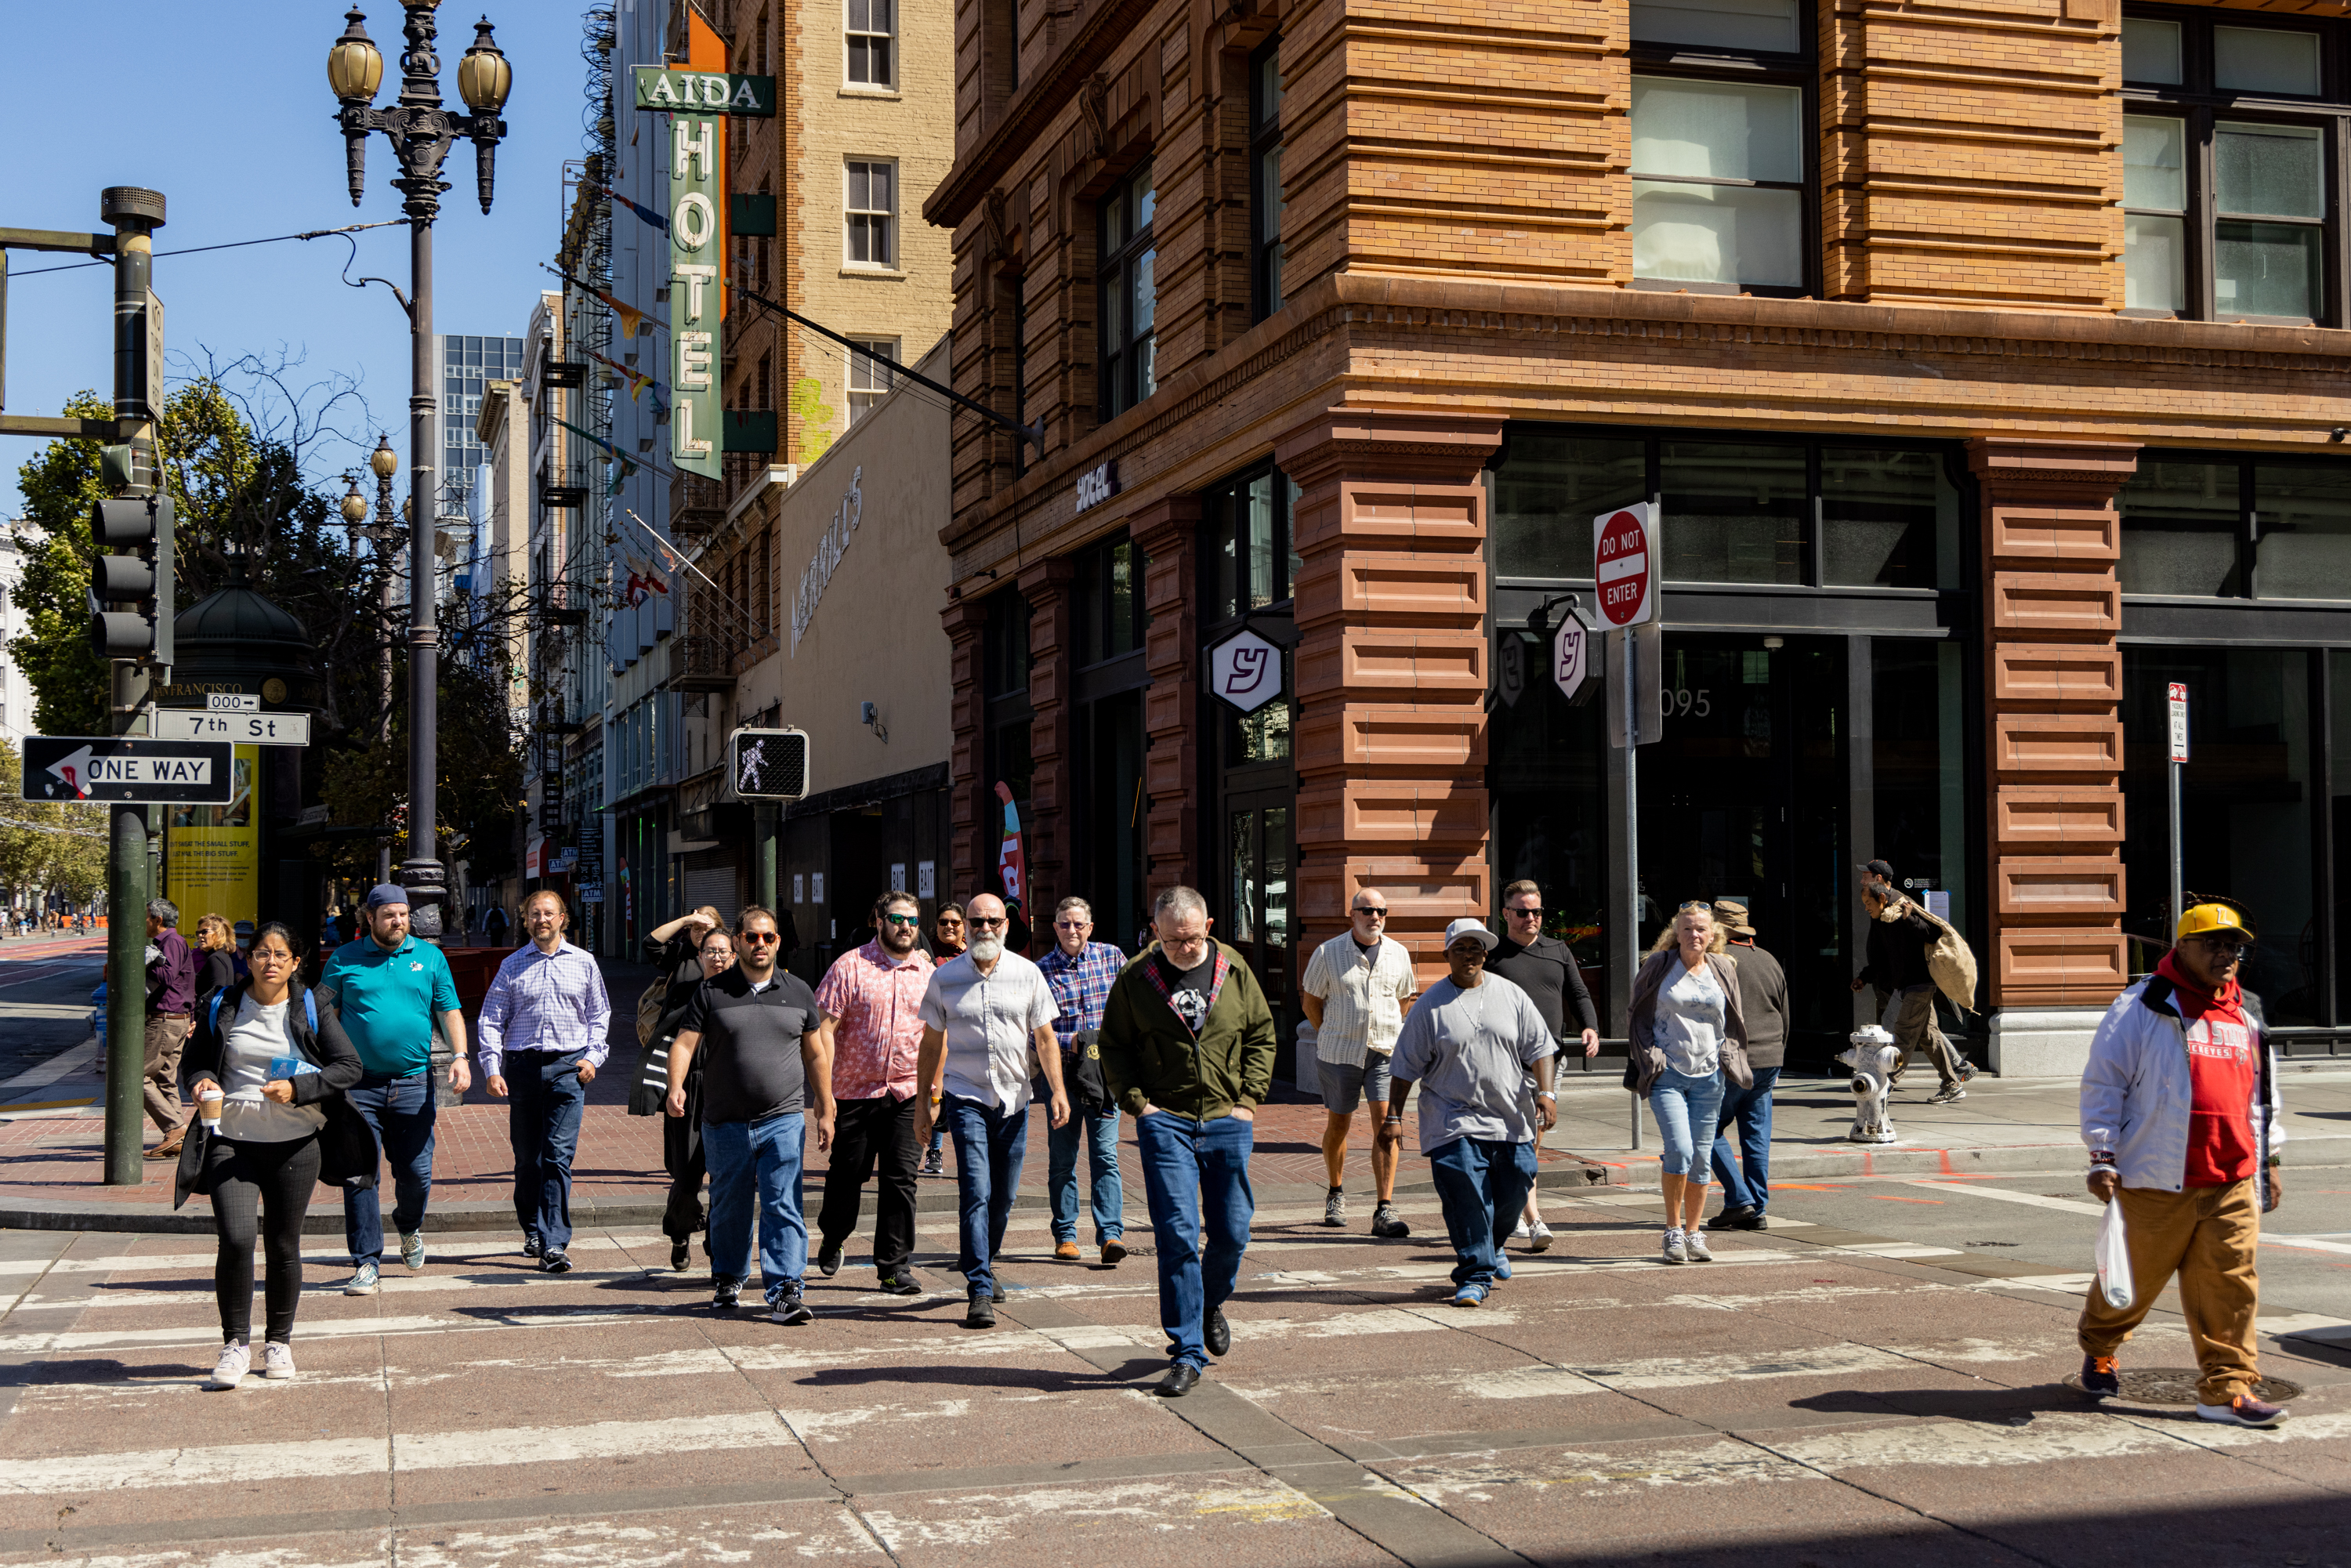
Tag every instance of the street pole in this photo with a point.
(1631, 847)
(420, 871)
(2177, 728)
(134, 215)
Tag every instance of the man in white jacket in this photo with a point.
(2180, 1109)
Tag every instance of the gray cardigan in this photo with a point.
(1647, 1060)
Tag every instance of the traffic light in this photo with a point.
(768, 764)
(130, 596)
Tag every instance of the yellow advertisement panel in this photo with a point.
(212, 854)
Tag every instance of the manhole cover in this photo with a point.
(2176, 1385)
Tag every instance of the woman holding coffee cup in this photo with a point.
(264, 1059)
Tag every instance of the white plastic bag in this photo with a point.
(2114, 1258)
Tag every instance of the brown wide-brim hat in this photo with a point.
(1731, 915)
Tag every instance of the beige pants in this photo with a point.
(1908, 1015)
(165, 1039)
(2207, 1236)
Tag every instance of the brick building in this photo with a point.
(1981, 359)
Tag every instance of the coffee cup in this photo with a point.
(208, 1106)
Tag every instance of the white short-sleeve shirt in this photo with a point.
(1363, 994)
(990, 1022)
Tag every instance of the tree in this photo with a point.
(48, 848)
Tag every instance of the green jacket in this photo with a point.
(1149, 1057)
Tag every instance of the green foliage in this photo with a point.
(47, 847)
(60, 485)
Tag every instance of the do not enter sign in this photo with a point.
(1622, 555)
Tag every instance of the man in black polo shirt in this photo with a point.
(1544, 969)
(766, 1061)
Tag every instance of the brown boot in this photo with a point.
(168, 1149)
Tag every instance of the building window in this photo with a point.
(1251, 565)
(1128, 295)
(873, 39)
(869, 378)
(2211, 525)
(1108, 597)
(1266, 194)
(1720, 120)
(2227, 167)
(872, 213)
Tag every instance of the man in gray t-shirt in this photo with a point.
(1469, 1042)
(762, 1059)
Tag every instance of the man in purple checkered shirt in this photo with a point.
(1080, 972)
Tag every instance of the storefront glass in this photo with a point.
(2181, 519)
(1734, 513)
(1890, 519)
(2302, 516)
(1549, 798)
(2247, 810)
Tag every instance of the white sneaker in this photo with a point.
(277, 1361)
(1695, 1245)
(235, 1361)
(1539, 1239)
(1521, 1233)
(1676, 1249)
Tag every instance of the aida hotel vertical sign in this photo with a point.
(694, 105)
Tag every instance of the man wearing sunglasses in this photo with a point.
(1354, 991)
(2180, 1108)
(871, 1001)
(1545, 968)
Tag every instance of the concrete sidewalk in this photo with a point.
(2003, 1125)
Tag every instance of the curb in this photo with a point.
(933, 1197)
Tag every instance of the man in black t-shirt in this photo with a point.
(1544, 969)
(765, 1064)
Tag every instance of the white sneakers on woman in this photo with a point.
(237, 1360)
(1677, 1247)
(1695, 1245)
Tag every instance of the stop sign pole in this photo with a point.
(2177, 727)
(1623, 558)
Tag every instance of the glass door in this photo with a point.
(1256, 892)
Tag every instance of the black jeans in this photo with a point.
(279, 1177)
(682, 1158)
(867, 1135)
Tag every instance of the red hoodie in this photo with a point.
(2222, 1077)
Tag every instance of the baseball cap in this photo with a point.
(1879, 869)
(1731, 914)
(1464, 926)
(384, 893)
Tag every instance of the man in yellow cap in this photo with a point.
(2180, 1108)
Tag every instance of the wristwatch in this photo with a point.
(1546, 1095)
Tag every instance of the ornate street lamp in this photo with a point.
(422, 133)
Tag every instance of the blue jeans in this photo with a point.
(761, 1157)
(990, 1144)
(1482, 1185)
(545, 1099)
(1196, 1178)
(1100, 1131)
(1681, 1103)
(401, 1112)
(1750, 1182)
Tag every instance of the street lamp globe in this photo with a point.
(483, 76)
(383, 459)
(354, 68)
(354, 506)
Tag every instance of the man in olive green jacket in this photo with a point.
(1187, 1047)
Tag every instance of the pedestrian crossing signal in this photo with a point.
(768, 763)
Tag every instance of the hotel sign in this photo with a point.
(705, 93)
(1098, 483)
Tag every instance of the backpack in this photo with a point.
(653, 1005)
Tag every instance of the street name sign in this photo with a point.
(239, 728)
(126, 770)
(1623, 560)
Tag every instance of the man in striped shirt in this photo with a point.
(872, 1004)
(1355, 990)
(549, 1019)
(1080, 973)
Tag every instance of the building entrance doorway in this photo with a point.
(1256, 898)
(1746, 797)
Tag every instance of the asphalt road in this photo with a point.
(44, 1003)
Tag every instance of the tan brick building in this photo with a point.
(1982, 361)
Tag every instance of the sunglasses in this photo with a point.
(903, 919)
(1072, 924)
(2224, 946)
(760, 939)
(1534, 913)
(1377, 913)
(982, 923)
(1694, 903)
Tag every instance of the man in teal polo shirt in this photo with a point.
(388, 987)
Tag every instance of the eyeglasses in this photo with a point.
(982, 923)
(1377, 913)
(903, 919)
(1072, 924)
(1534, 913)
(760, 939)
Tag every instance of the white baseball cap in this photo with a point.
(1466, 926)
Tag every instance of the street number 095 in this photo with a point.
(1680, 701)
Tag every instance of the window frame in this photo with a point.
(1118, 364)
(2202, 105)
(1266, 253)
(1094, 593)
(881, 220)
(1750, 68)
(862, 357)
(851, 35)
(2247, 533)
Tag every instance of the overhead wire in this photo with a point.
(225, 245)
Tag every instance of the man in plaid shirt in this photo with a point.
(1080, 972)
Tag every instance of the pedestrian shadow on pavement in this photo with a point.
(1033, 1379)
(1985, 1406)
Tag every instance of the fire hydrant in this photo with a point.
(1872, 1058)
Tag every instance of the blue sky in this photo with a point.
(225, 109)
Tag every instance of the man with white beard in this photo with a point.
(988, 1014)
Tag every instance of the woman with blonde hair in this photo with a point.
(216, 941)
(1688, 1035)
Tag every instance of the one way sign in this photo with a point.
(127, 769)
